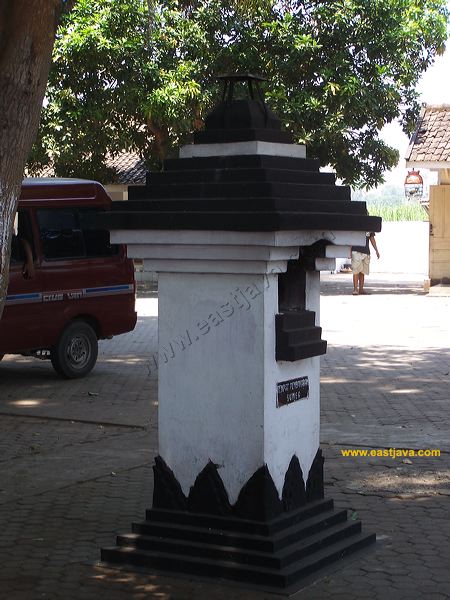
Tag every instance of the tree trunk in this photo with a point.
(27, 35)
(160, 139)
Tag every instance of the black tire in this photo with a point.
(1, 356)
(75, 353)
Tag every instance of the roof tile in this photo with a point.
(431, 140)
(128, 167)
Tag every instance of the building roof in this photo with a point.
(429, 146)
(128, 167)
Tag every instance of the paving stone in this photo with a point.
(383, 385)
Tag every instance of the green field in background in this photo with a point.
(398, 212)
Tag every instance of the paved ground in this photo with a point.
(75, 457)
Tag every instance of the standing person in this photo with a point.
(361, 261)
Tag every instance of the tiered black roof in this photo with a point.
(239, 120)
(241, 193)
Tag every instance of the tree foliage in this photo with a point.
(140, 75)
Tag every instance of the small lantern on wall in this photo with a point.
(414, 185)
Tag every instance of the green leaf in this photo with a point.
(126, 77)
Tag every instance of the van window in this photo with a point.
(60, 234)
(96, 240)
(73, 233)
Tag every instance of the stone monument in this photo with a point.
(238, 229)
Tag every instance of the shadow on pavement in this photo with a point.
(341, 284)
(386, 396)
(118, 390)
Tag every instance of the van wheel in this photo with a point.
(75, 353)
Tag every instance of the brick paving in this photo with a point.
(75, 457)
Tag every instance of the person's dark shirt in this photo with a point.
(364, 249)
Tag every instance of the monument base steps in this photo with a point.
(276, 555)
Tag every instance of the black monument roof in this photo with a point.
(264, 193)
(241, 192)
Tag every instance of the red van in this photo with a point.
(68, 287)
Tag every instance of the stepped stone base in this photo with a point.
(276, 555)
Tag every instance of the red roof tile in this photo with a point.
(431, 139)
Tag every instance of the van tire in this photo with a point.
(75, 353)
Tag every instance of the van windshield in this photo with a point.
(73, 233)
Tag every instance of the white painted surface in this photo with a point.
(156, 253)
(229, 266)
(307, 238)
(332, 251)
(291, 429)
(239, 148)
(218, 376)
(216, 252)
(325, 264)
(214, 266)
(246, 238)
(211, 393)
(313, 294)
(228, 251)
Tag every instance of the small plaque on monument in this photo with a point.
(292, 390)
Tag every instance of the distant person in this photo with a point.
(361, 262)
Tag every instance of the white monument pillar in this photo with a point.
(238, 229)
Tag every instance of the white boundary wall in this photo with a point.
(403, 246)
